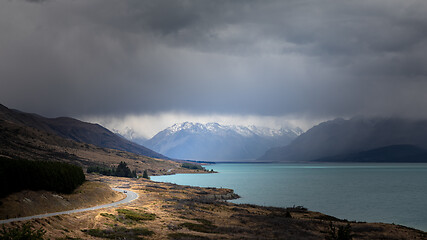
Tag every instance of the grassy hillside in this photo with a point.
(76, 130)
(19, 141)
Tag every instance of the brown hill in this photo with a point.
(76, 130)
(19, 141)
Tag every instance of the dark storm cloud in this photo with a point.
(318, 58)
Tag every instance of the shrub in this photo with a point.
(24, 232)
(136, 216)
(343, 233)
(205, 226)
(108, 215)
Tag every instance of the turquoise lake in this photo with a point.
(391, 193)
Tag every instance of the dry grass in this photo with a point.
(182, 213)
(27, 203)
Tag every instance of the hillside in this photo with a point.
(19, 141)
(342, 137)
(28, 203)
(76, 130)
(213, 141)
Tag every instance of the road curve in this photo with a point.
(130, 196)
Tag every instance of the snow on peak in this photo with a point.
(216, 128)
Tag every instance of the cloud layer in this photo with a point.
(260, 58)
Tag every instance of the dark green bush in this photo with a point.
(136, 216)
(18, 174)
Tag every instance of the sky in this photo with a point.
(148, 64)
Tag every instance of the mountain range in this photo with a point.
(357, 139)
(213, 141)
(76, 130)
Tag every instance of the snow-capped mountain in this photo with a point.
(213, 141)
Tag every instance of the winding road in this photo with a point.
(130, 196)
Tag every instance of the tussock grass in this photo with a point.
(26, 231)
(119, 233)
(205, 226)
(136, 216)
(186, 236)
(109, 215)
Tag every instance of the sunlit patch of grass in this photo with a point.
(109, 215)
(136, 216)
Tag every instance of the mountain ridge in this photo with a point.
(340, 137)
(213, 141)
(77, 130)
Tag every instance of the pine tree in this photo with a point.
(145, 175)
(123, 170)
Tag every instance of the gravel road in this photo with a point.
(130, 196)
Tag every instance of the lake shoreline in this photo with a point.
(344, 210)
(185, 212)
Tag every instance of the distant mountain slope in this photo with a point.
(341, 137)
(393, 153)
(76, 130)
(213, 141)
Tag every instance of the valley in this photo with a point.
(163, 210)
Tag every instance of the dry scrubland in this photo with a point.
(28, 143)
(168, 211)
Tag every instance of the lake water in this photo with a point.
(391, 193)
